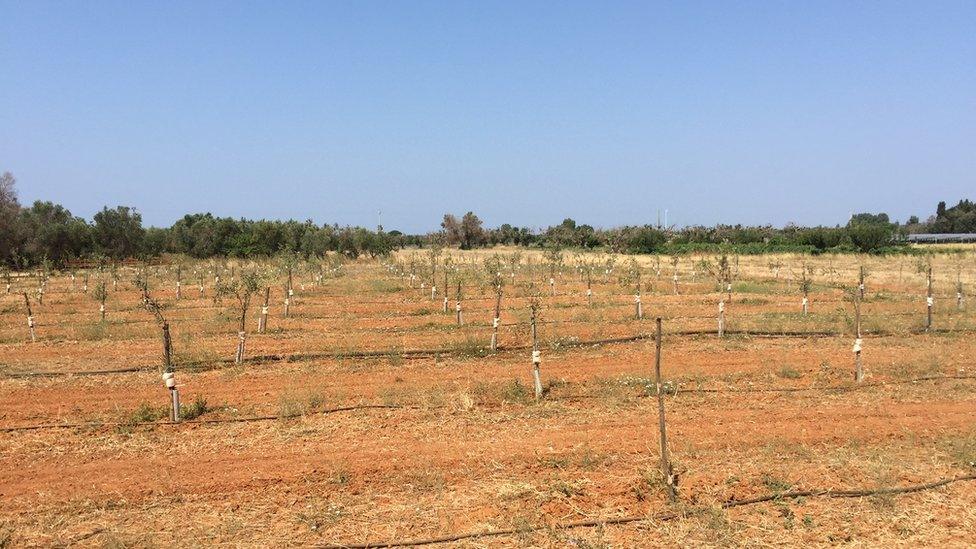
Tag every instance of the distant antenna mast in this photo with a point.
(665, 218)
(379, 222)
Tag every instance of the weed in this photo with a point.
(785, 511)
(517, 392)
(194, 410)
(559, 487)
(775, 485)
(295, 404)
(554, 462)
(788, 372)
(963, 450)
(469, 347)
(145, 413)
(340, 477)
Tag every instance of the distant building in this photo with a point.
(941, 237)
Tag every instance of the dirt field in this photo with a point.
(313, 441)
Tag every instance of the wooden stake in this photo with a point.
(263, 320)
(30, 318)
(666, 468)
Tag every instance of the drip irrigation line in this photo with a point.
(443, 406)
(249, 419)
(481, 352)
(589, 523)
(302, 357)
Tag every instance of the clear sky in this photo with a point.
(525, 112)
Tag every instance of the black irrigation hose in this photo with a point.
(402, 406)
(97, 424)
(301, 357)
(428, 353)
(833, 494)
(851, 387)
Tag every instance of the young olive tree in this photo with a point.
(720, 270)
(959, 288)
(554, 260)
(493, 266)
(633, 276)
(514, 263)
(156, 309)
(6, 277)
(30, 318)
(242, 288)
(675, 259)
(100, 295)
(925, 267)
(805, 285)
(535, 306)
(287, 263)
(433, 256)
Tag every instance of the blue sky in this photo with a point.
(525, 112)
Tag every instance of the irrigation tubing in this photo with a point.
(588, 523)
(405, 406)
(428, 353)
(300, 357)
(248, 419)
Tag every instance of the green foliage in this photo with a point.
(195, 409)
(47, 231)
(644, 240)
(960, 218)
(118, 232)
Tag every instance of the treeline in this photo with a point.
(960, 218)
(48, 233)
(864, 233)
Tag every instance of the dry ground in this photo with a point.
(456, 442)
